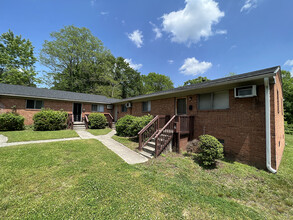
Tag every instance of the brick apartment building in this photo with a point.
(245, 111)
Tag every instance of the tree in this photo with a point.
(199, 79)
(17, 60)
(155, 82)
(77, 60)
(288, 96)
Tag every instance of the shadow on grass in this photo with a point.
(196, 159)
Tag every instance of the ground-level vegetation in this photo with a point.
(31, 135)
(83, 179)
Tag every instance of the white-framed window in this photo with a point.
(97, 108)
(34, 104)
(211, 101)
(146, 106)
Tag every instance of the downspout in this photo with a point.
(268, 126)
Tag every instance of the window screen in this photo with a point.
(34, 104)
(97, 108)
(205, 101)
(30, 104)
(217, 100)
(146, 106)
(221, 100)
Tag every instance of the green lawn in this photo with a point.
(126, 141)
(30, 135)
(84, 180)
(99, 131)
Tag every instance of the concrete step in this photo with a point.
(146, 154)
(78, 123)
(151, 144)
(148, 149)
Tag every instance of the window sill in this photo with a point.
(214, 110)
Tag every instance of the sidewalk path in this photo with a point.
(129, 156)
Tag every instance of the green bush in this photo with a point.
(210, 150)
(129, 125)
(50, 120)
(123, 125)
(288, 128)
(97, 121)
(11, 122)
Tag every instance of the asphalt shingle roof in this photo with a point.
(25, 91)
(226, 80)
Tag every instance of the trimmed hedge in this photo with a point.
(129, 125)
(210, 150)
(11, 122)
(97, 121)
(50, 120)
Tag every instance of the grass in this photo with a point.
(126, 141)
(30, 135)
(99, 131)
(84, 180)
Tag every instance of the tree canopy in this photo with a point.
(155, 82)
(288, 95)
(79, 62)
(199, 79)
(17, 60)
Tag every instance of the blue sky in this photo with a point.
(181, 39)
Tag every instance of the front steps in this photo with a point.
(78, 125)
(149, 149)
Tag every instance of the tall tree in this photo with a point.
(155, 82)
(288, 95)
(199, 79)
(77, 60)
(17, 60)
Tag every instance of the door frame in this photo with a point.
(80, 110)
(176, 104)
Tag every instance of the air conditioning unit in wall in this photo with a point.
(109, 107)
(128, 105)
(245, 91)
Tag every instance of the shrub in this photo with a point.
(288, 128)
(123, 125)
(193, 146)
(129, 125)
(50, 120)
(210, 150)
(11, 122)
(97, 121)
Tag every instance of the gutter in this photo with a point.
(268, 126)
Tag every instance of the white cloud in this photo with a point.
(248, 5)
(170, 61)
(136, 37)
(194, 22)
(133, 65)
(289, 63)
(104, 12)
(221, 32)
(192, 66)
(157, 31)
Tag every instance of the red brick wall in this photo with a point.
(158, 107)
(8, 102)
(277, 123)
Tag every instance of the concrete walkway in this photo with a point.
(129, 156)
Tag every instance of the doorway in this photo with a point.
(77, 111)
(181, 106)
